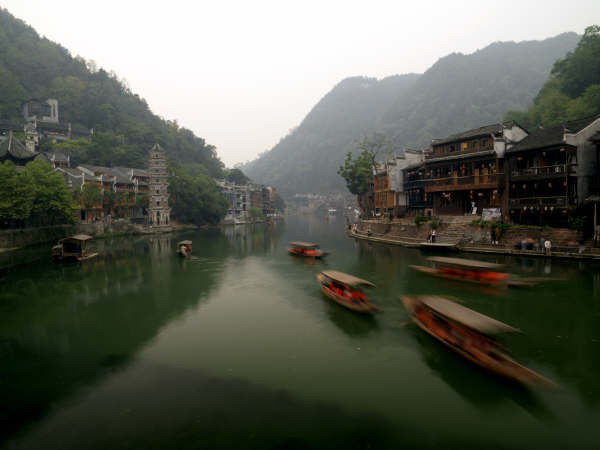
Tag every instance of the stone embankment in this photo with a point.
(459, 231)
(13, 239)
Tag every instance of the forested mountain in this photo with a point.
(458, 92)
(124, 126)
(573, 89)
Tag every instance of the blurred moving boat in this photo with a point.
(346, 290)
(308, 249)
(471, 271)
(471, 335)
(184, 248)
(438, 246)
(73, 248)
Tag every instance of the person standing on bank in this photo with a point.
(433, 236)
(548, 247)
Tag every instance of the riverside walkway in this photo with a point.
(559, 252)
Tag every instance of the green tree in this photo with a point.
(256, 213)
(52, 199)
(16, 194)
(91, 195)
(358, 173)
(236, 176)
(194, 199)
(141, 200)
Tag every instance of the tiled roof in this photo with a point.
(58, 156)
(476, 132)
(551, 136)
(13, 147)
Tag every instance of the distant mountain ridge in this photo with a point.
(458, 92)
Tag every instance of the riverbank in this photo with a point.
(460, 235)
(21, 238)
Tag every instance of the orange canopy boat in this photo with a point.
(346, 290)
(184, 248)
(471, 271)
(471, 335)
(308, 249)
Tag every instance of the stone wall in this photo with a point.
(32, 236)
(467, 234)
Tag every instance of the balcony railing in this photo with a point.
(421, 204)
(455, 183)
(545, 171)
(458, 152)
(560, 201)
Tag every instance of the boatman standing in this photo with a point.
(547, 247)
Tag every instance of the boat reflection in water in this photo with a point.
(477, 392)
(471, 335)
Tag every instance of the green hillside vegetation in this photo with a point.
(572, 90)
(458, 92)
(34, 196)
(91, 98)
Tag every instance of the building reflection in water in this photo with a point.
(70, 325)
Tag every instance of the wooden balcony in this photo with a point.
(559, 170)
(460, 152)
(557, 201)
(465, 183)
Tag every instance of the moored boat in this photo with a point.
(470, 271)
(307, 249)
(471, 335)
(184, 248)
(73, 248)
(345, 290)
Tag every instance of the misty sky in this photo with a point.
(241, 74)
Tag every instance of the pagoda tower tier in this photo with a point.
(159, 213)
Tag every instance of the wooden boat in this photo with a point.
(471, 271)
(184, 248)
(346, 290)
(439, 246)
(471, 335)
(73, 248)
(307, 249)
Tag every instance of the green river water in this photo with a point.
(237, 348)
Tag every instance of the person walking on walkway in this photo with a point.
(547, 247)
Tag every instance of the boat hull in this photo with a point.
(294, 252)
(73, 258)
(500, 364)
(361, 307)
(437, 273)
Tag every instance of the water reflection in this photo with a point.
(70, 325)
(237, 347)
(485, 391)
(202, 411)
(351, 323)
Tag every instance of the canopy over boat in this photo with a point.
(466, 263)
(347, 279)
(77, 237)
(466, 316)
(184, 243)
(304, 244)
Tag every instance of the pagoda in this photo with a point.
(158, 201)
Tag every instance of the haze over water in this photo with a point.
(238, 348)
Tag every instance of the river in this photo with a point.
(237, 348)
